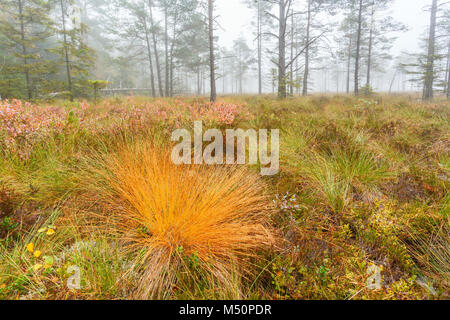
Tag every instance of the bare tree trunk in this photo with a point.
(259, 48)
(84, 20)
(203, 83)
(392, 81)
(24, 50)
(232, 83)
(199, 86)
(166, 47)
(240, 80)
(171, 75)
(448, 72)
(155, 49)
(308, 35)
(223, 77)
(172, 67)
(429, 73)
(337, 78)
(349, 61)
(212, 65)
(273, 78)
(358, 48)
(369, 56)
(172, 48)
(149, 52)
(282, 50)
(66, 51)
(291, 71)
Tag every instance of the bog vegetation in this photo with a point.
(92, 207)
(363, 182)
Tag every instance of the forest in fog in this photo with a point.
(72, 48)
(224, 150)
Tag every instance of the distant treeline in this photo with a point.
(62, 48)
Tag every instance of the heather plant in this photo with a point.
(23, 124)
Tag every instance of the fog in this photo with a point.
(210, 47)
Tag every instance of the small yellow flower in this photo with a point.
(37, 267)
(37, 253)
(2, 286)
(50, 232)
(30, 247)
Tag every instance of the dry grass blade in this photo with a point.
(164, 212)
(432, 252)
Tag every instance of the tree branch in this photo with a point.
(303, 50)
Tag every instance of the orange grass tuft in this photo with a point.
(165, 213)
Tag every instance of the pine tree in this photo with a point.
(76, 58)
(244, 59)
(212, 61)
(381, 28)
(260, 7)
(313, 8)
(429, 68)
(24, 26)
(430, 64)
(192, 50)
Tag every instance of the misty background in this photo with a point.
(178, 47)
(235, 19)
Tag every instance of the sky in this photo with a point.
(235, 20)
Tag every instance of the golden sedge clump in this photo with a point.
(164, 213)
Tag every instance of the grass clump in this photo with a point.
(164, 213)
